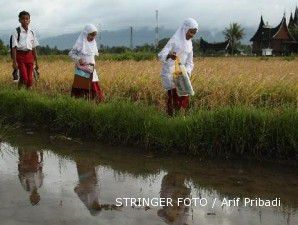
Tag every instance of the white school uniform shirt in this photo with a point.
(27, 41)
(184, 50)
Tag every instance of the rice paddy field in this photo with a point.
(243, 107)
(217, 81)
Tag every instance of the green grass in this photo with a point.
(225, 132)
(135, 56)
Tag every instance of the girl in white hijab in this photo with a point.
(86, 81)
(180, 45)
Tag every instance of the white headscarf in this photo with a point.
(179, 38)
(83, 45)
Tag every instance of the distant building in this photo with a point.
(279, 40)
(214, 48)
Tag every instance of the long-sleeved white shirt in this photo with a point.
(27, 40)
(186, 58)
(76, 56)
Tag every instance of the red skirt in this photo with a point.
(176, 102)
(85, 88)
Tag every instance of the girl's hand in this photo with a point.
(172, 56)
(81, 62)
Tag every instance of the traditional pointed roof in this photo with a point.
(291, 20)
(283, 32)
(258, 34)
(268, 32)
(296, 15)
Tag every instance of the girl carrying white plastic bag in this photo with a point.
(178, 48)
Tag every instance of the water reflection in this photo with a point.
(84, 189)
(173, 186)
(30, 173)
(88, 188)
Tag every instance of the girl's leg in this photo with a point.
(97, 92)
(173, 102)
(176, 100)
(184, 102)
(170, 103)
(77, 93)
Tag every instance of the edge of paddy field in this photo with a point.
(150, 56)
(226, 132)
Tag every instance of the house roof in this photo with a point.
(266, 33)
(218, 46)
(258, 34)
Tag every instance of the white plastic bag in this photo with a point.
(182, 80)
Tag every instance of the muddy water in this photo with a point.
(53, 180)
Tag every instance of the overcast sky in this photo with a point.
(63, 16)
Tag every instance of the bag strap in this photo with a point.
(10, 45)
(19, 33)
(18, 29)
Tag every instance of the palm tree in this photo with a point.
(234, 34)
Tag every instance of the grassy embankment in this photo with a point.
(229, 131)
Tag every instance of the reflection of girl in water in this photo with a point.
(30, 173)
(173, 186)
(88, 189)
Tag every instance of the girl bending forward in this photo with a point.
(180, 45)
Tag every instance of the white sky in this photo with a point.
(64, 16)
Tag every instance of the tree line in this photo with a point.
(234, 33)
